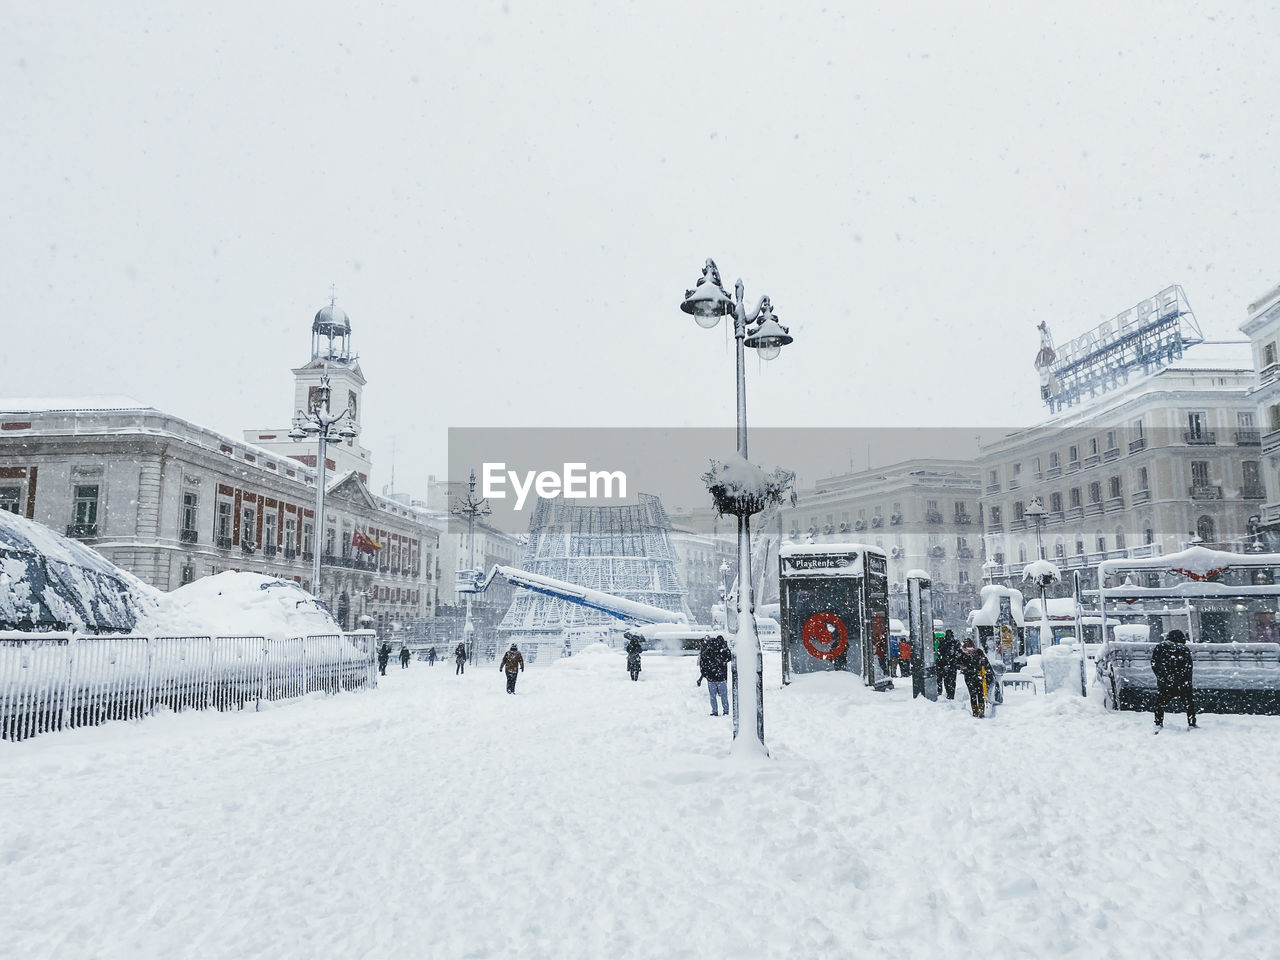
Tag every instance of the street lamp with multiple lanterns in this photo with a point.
(471, 510)
(320, 424)
(759, 329)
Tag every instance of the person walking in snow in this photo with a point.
(1171, 663)
(633, 648)
(431, 657)
(904, 658)
(384, 654)
(713, 663)
(460, 655)
(978, 676)
(513, 664)
(404, 658)
(948, 661)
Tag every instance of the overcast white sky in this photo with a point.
(512, 197)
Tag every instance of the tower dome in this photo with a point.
(331, 333)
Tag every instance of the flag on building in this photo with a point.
(361, 542)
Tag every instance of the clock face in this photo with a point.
(351, 403)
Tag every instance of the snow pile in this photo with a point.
(1132, 632)
(1061, 665)
(231, 604)
(988, 612)
(50, 581)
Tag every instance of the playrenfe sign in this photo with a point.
(574, 482)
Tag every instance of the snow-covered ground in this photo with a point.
(591, 817)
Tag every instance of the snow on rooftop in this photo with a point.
(104, 401)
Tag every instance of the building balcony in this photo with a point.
(1112, 454)
(933, 516)
(1271, 441)
(1140, 496)
(1018, 525)
(1014, 484)
(222, 543)
(1114, 504)
(1073, 466)
(965, 553)
(269, 550)
(993, 488)
(81, 531)
(1271, 514)
(1093, 510)
(1055, 516)
(290, 553)
(308, 555)
(896, 519)
(1268, 373)
(877, 522)
(963, 518)
(1204, 491)
(1248, 438)
(189, 536)
(995, 526)
(1253, 492)
(1092, 461)
(1075, 513)
(1052, 473)
(248, 546)
(1202, 438)
(1137, 445)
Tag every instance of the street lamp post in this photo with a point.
(326, 428)
(470, 508)
(707, 302)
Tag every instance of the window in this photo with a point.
(346, 541)
(1017, 469)
(1073, 454)
(308, 537)
(11, 499)
(1245, 421)
(961, 508)
(290, 533)
(1095, 492)
(1137, 429)
(1053, 460)
(223, 529)
(1142, 479)
(1060, 550)
(1200, 473)
(1273, 416)
(1148, 536)
(1019, 510)
(248, 525)
(189, 512)
(1205, 529)
(1102, 542)
(86, 505)
(1079, 545)
(269, 521)
(330, 541)
(1055, 503)
(1022, 553)
(1111, 439)
(1074, 498)
(1113, 488)
(1195, 425)
(1093, 446)
(931, 505)
(1119, 538)
(995, 516)
(993, 477)
(1269, 354)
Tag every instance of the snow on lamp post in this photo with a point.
(470, 508)
(759, 329)
(741, 488)
(326, 428)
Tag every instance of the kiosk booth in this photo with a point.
(835, 610)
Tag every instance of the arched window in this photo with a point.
(1060, 550)
(1100, 540)
(1205, 529)
(1022, 553)
(1119, 538)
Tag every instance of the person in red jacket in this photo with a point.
(904, 658)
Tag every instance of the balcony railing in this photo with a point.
(1202, 438)
(1114, 503)
(248, 546)
(189, 536)
(1052, 473)
(993, 488)
(1136, 445)
(308, 555)
(1271, 441)
(933, 516)
(82, 530)
(1204, 491)
(1093, 509)
(963, 518)
(1075, 513)
(222, 543)
(1248, 438)
(1073, 465)
(1253, 492)
(1092, 461)
(290, 553)
(1140, 496)
(1111, 454)
(269, 550)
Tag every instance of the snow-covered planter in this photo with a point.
(741, 488)
(1042, 572)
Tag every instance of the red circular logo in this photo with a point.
(825, 636)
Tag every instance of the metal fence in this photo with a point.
(53, 681)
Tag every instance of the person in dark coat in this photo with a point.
(460, 655)
(633, 648)
(431, 657)
(1171, 663)
(975, 666)
(948, 661)
(513, 664)
(404, 658)
(384, 654)
(713, 663)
